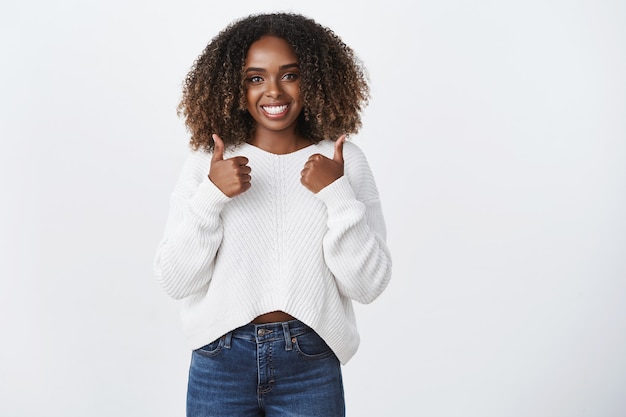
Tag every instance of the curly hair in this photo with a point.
(334, 86)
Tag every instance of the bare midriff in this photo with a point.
(273, 317)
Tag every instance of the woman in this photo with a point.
(275, 223)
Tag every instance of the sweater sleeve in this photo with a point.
(354, 245)
(185, 256)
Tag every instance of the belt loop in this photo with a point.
(287, 334)
(227, 339)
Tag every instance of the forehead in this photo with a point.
(268, 51)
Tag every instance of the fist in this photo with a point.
(320, 171)
(231, 176)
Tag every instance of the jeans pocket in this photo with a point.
(311, 346)
(212, 349)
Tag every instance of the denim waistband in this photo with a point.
(268, 332)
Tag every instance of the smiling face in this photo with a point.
(272, 81)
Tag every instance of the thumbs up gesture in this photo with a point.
(320, 171)
(231, 176)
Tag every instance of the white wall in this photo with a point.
(498, 137)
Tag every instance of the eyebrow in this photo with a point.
(282, 67)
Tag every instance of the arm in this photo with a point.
(193, 233)
(354, 245)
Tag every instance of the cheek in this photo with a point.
(295, 93)
(249, 98)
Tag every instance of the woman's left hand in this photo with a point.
(320, 171)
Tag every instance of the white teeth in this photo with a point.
(275, 109)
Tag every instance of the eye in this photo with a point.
(255, 79)
(291, 76)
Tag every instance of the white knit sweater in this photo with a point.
(277, 246)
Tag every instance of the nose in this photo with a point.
(273, 89)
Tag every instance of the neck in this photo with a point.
(279, 143)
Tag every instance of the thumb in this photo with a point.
(218, 149)
(338, 157)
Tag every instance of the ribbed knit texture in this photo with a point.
(277, 246)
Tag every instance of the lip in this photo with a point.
(275, 112)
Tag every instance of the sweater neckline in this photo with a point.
(260, 151)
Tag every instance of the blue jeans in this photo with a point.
(272, 370)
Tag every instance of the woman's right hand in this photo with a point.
(231, 176)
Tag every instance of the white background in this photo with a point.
(497, 135)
